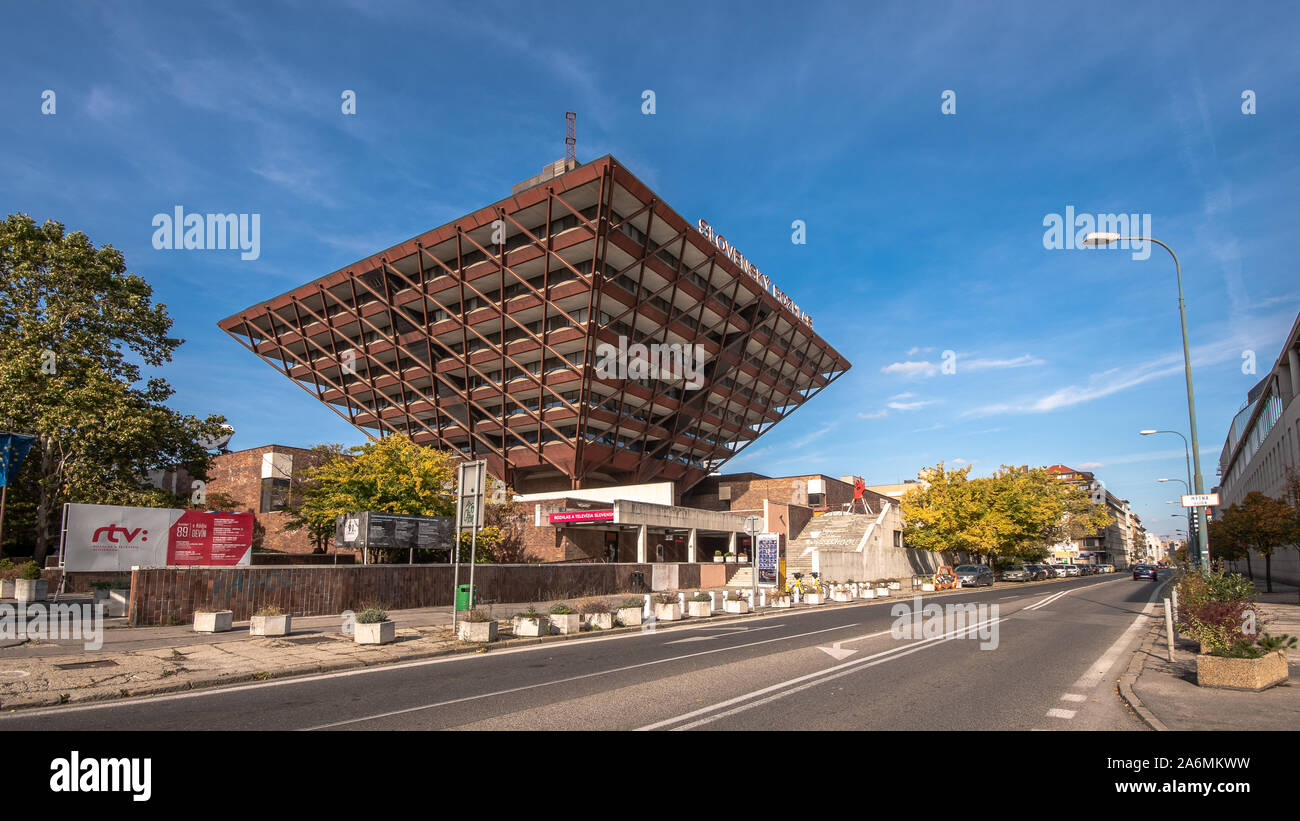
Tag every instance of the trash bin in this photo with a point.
(464, 595)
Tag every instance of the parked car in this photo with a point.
(974, 575)
(1067, 569)
(1017, 573)
(1145, 571)
(1107, 568)
(1040, 572)
(1050, 571)
(1087, 569)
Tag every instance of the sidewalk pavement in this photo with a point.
(1165, 695)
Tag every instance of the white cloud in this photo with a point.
(991, 364)
(915, 351)
(880, 414)
(1090, 465)
(898, 396)
(912, 368)
(910, 406)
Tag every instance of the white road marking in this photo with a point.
(1057, 712)
(1050, 599)
(562, 680)
(786, 688)
(719, 635)
(1073, 697)
(1097, 671)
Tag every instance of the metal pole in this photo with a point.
(473, 548)
(1169, 628)
(4, 490)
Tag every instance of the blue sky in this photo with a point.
(924, 230)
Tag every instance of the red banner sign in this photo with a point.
(200, 538)
(579, 516)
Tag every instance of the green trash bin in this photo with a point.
(464, 595)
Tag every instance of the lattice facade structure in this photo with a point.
(481, 337)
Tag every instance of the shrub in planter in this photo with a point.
(213, 621)
(8, 574)
(667, 607)
(374, 627)
(596, 615)
(718, 556)
(564, 619)
(700, 605)
(477, 626)
(270, 621)
(781, 601)
(735, 603)
(1246, 665)
(731, 558)
(629, 612)
(29, 586)
(530, 623)
(894, 584)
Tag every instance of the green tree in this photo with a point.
(1015, 514)
(75, 331)
(1262, 524)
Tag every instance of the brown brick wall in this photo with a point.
(239, 476)
(171, 595)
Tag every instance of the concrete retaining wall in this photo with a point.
(879, 562)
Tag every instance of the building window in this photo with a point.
(898, 538)
(275, 495)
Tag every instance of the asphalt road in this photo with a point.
(1043, 656)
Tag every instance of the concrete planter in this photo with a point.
(842, 595)
(31, 589)
(1242, 674)
(742, 559)
(927, 588)
(895, 585)
(731, 559)
(531, 627)
(699, 609)
(270, 625)
(479, 631)
(814, 598)
(603, 621)
(565, 623)
(117, 603)
(782, 602)
(378, 633)
(867, 594)
(719, 559)
(882, 592)
(736, 606)
(629, 616)
(668, 612)
(219, 621)
(7, 588)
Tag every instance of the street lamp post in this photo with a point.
(1100, 239)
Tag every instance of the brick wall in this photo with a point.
(239, 476)
(171, 595)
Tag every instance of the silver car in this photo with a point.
(974, 575)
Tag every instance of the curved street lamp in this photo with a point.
(1099, 239)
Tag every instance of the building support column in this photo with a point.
(641, 538)
(731, 542)
(691, 545)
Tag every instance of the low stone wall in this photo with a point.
(878, 562)
(171, 595)
(295, 559)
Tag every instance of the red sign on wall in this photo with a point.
(199, 538)
(578, 516)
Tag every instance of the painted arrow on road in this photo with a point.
(837, 651)
(719, 635)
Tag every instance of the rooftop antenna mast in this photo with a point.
(570, 159)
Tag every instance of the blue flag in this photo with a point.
(13, 449)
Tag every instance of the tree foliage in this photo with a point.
(76, 331)
(1015, 514)
(1259, 523)
(395, 475)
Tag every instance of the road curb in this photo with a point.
(1126, 681)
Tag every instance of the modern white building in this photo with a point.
(1263, 444)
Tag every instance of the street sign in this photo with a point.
(1201, 500)
(471, 482)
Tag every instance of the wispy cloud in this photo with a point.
(924, 368)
